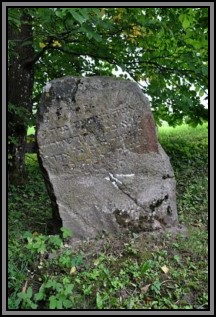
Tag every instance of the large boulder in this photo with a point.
(100, 157)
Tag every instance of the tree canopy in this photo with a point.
(165, 50)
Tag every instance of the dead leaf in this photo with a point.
(73, 270)
(165, 269)
(196, 225)
(145, 288)
(148, 299)
(56, 44)
(96, 262)
(42, 45)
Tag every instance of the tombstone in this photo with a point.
(101, 160)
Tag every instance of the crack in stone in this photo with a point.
(144, 220)
(167, 176)
(122, 187)
(75, 90)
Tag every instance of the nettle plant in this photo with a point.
(49, 253)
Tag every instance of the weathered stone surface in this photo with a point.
(101, 160)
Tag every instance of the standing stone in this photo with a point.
(102, 164)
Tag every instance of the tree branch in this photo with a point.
(32, 60)
(93, 55)
(165, 68)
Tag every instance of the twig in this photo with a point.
(167, 281)
(202, 306)
(25, 286)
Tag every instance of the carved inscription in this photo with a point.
(86, 141)
(82, 134)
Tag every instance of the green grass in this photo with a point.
(124, 272)
(180, 131)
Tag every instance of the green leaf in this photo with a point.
(201, 93)
(66, 232)
(59, 304)
(79, 18)
(50, 284)
(84, 13)
(77, 260)
(29, 292)
(146, 266)
(185, 23)
(27, 234)
(59, 13)
(99, 301)
(185, 20)
(67, 303)
(22, 296)
(156, 287)
(39, 296)
(176, 258)
(52, 302)
(55, 242)
(33, 306)
(96, 36)
(69, 289)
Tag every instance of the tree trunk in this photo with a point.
(20, 88)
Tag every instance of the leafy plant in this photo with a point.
(58, 294)
(26, 299)
(66, 232)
